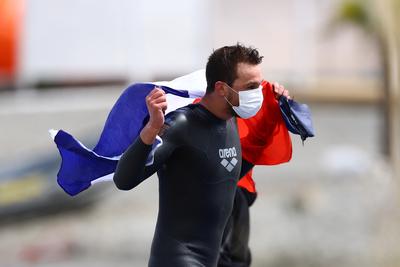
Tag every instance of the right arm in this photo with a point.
(131, 168)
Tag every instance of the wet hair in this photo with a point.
(222, 63)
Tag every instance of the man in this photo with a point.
(265, 141)
(199, 160)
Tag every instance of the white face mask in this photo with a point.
(250, 102)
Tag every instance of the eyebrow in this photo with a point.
(253, 83)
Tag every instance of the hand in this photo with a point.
(280, 90)
(156, 103)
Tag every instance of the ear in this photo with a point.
(220, 88)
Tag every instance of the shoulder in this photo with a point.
(180, 116)
(177, 121)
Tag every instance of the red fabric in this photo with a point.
(264, 138)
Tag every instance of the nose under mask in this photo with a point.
(250, 102)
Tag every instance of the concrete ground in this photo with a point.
(334, 204)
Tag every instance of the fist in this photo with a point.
(156, 103)
(280, 90)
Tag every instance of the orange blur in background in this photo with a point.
(11, 12)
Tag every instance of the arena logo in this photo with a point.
(225, 154)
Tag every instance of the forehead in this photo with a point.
(247, 74)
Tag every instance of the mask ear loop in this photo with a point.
(227, 99)
(232, 88)
(229, 102)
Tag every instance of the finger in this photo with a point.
(284, 92)
(154, 99)
(162, 106)
(157, 97)
(158, 88)
(157, 93)
(159, 100)
(154, 107)
(150, 95)
(279, 88)
(155, 90)
(288, 95)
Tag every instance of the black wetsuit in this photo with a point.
(198, 166)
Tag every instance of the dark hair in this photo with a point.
(222, 63)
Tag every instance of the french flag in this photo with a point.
(264, 138)
(81, 167)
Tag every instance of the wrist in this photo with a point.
(149, 134)
(153, 128)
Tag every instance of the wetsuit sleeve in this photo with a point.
(132, 168)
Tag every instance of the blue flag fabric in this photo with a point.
(297, 117)
(81, 167)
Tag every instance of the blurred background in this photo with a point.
(63, 64)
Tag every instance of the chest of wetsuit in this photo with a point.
(198, 166)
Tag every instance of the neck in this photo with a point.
(213, 104)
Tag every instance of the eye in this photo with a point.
(253, 86)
